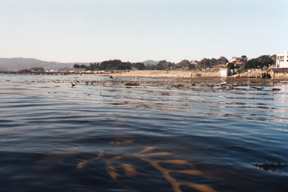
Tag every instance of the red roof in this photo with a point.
(219, 66)
(240, 63)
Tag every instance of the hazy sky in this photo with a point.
(138, 30)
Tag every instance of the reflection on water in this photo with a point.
(160, 135)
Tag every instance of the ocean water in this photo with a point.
(101, 135)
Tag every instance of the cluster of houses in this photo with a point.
(281, 66)
(33, 69)
(235, 60)
(237, 63)
(60, 70)
(282, 60)
(41, 69)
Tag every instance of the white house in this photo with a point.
(71, 70)
(282, 60)
(234, 59)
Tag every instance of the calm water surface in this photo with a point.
(105, 136)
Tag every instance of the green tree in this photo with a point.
(213, 61)
(273, 57)
(93, 66)
(139, 66)
(230, 66)
(253, 63)
(168, 65)
(203, 64)
(183, 64)
(222, 60)
(76, 66)
(107, 65)
(150, 67)
(243, 58)
(265, 60)
(110, 66)
(191, 67)
(159, 66)
(124, 66)
(83, 66)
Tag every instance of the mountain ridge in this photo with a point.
(18, 63)
(151, 62)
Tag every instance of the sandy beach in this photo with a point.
(256, 73)
(160, 73)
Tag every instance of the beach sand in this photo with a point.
(159, 73)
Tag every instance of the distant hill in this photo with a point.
(151, 62)
(15, 64)
(19, 63)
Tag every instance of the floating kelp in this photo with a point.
(266, 166)
(178, 86)
(155, 159)
(131, 84)
(276, 89)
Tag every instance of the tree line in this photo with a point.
(111, 65)
(260, 62)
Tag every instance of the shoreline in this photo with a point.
(142, 73)
(251, 74)
(162, 74)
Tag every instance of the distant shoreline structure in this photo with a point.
(164, 74)
(48, 73)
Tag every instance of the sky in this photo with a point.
(139, 30)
